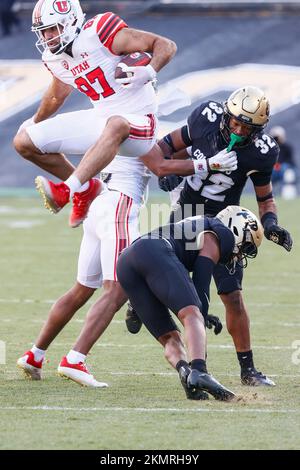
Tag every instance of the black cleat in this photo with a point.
(254, 378)
(132, 320)
(192, 393)
(203, 381)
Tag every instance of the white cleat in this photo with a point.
(79, 373)
(31, 368)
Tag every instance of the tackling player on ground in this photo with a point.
(154, 273)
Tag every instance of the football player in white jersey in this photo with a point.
(84, 55)
(111, 225)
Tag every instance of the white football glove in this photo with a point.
(222, 161)
(141, 75)
(25, 124)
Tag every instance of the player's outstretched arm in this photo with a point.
(268, 215)
(52, 100)
(155, 161)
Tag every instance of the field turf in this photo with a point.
(144, 406)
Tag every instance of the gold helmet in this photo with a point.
(247, 230)
(248, 105)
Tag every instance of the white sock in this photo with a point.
(74, 184)
(84, 187)
(39, 354)
(74, 357)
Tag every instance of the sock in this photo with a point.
(181, 363)
(74, 357)
(199, 364)
(84, 187)
(74, 184)
(39, 354)
(245, 359)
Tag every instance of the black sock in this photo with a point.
(181, 363)
(245, 359)
(199, 364)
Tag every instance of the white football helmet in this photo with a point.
(247, 230)
(66, 15)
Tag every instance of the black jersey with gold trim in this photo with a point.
(217, 190)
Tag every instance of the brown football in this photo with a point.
(131, 60)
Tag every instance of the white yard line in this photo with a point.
(149, 410)
(216, 304)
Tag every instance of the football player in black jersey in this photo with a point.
(154, 272)
(237, 127)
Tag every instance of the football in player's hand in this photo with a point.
(131, 60)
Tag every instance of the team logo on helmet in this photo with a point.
(62, 6)
(248, 233)
(251, 221)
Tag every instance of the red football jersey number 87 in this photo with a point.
(85, 84)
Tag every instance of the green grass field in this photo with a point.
(144, 406)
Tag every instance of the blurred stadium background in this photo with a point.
(221, 45)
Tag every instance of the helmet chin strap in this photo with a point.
(234, 139)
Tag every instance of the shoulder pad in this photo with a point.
(207, 116)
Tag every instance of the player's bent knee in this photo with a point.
(234, 302)
(187, 313)
(119, 125)
(79, 291)
(23, 145)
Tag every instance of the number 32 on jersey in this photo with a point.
(211, 111)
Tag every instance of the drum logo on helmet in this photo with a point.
(62, 6)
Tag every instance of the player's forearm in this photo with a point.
(53, 99)
(265, 199)
(163, 51)
(180, 155)
(176, 167)
(156, 162)
(173, 146)
(267, 206)
(49, 105)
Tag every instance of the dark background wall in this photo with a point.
(204, 41)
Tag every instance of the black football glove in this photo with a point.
(213, 322)
(170, 182)
(280, 236)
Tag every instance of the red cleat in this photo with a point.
(31, 368)
(82, 202)
(78, 373)
(55, 196)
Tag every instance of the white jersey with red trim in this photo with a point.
(92, 67)
(128, 176)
